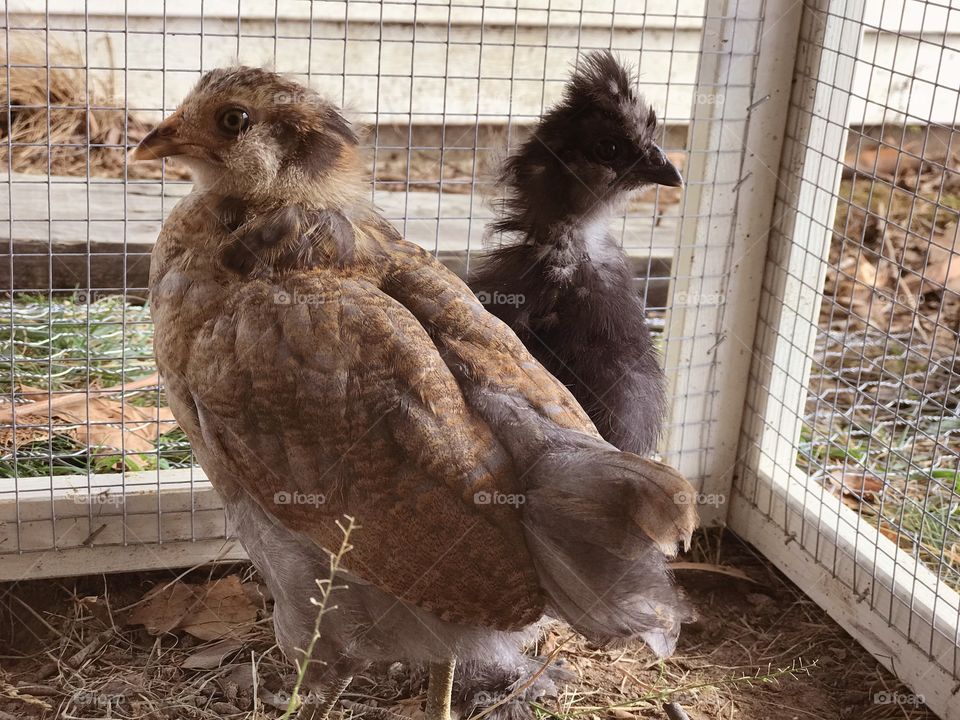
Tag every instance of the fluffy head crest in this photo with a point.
(601, 81)
(588, 151)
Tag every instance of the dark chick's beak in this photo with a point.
(163, 141)
(656, 168)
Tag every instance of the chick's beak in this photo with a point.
(657, 168)
(163, 141)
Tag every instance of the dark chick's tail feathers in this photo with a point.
(600, 525)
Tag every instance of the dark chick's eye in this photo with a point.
(605, 150)
(233, 121)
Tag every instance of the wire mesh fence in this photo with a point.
(91, 456)
(803, 283)
(849, 459)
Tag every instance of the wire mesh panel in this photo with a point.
(95, 473)
(849, 464)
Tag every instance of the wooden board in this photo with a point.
(75, 524)
(67, 234)
(898, 609)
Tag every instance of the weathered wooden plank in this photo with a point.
(66, 234)
(45, 521)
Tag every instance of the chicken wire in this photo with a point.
(848, 461)
(806, 327)
(95, 474)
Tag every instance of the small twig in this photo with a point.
(326, 589)
(37, 690)
(93, 536)
(79, 657)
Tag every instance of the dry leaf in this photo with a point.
(215, 610)
(862, 482)
(163, 608)
(885, 162)
(211, 656)
(96, 420)
(56, 400)
(855, 486)
(889, 533)
(224, 611)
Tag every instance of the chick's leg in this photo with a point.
(321, 710)
(439, 689)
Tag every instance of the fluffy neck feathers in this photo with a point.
(263, 240)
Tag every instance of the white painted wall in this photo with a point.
(908, 71)
(440, 64)
(459, 68)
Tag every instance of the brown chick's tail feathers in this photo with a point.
(599, 523)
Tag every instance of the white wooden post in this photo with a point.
(736, 139)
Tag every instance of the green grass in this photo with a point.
(69, 344)
(873, 417)
(62, 455)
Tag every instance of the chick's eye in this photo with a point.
(605, 150)
(233, 121)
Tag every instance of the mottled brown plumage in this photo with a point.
(309, 352)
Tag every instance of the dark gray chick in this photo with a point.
(563, 285)
(562, 282)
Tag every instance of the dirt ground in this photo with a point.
(760, 649)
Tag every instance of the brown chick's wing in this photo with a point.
(341, 404)
(533, 414)
(479, 347)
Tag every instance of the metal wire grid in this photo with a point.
(878, 431)
(716, 151)
(136, 66)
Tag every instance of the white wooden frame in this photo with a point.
(741, 451)
(890, 602)
(714, 314)
(78, 525)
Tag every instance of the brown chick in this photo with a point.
(322, 366)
